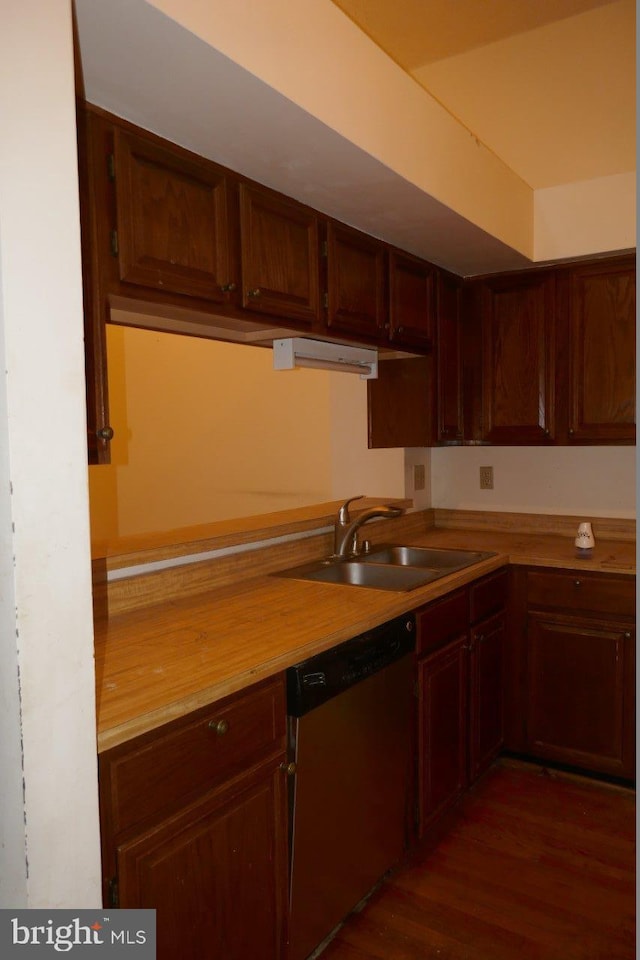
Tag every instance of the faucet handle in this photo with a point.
(343, 513)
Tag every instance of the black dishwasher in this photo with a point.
(349, 728)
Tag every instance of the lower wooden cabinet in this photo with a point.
(580, 696)
(194, 825)
(460, 691)
(575, 672)
(486, 699)
(210, 867)
(442, 736)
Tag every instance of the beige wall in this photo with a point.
(581, 219)
(589, 481)
(206, 431)
(49, 828)
(542, 95)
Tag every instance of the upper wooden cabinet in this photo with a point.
(518, 358)
(279, 255)
(550, 355)
(602, 349)
(400, 403)
(412, 300)
(157, 228)
(171, 219)
(356, 275)
(448, 363)
(537, 357)
(417, 402)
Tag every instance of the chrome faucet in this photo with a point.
(345, 539)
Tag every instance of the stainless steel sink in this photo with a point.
(435, 558)
(390, 567)
(360, 573)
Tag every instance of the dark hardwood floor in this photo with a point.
(536, 865)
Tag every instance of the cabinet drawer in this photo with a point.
(161, 769)
(442, 621)
(488, 595)
(576, 591)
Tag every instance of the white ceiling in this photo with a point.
(143, 66)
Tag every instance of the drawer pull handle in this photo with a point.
(219, 727)
(288, 768)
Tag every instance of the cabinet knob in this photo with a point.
(227, 287)
(577, 583)
(219, 727)
(627, 635)
(105, 433)
(288, 768)
(255, 293)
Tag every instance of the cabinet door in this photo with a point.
(172, 219)
(215, 873)
(279, 251)
(580, 692)
(602, 321)
(411, 300)
(518, 359)
(91, 165)
(356, 283)
(486, 697)
(442, 739)
(449, 427)
(400, 403)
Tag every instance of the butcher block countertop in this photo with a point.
(161, 660)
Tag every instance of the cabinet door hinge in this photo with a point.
(324, 249)
(114, 898)
(111, 167)
(114, 243)
(325, 300)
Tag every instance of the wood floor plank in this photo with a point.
(537, 865)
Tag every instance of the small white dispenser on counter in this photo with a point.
(585, 541)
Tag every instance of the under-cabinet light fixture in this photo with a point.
(322, 355)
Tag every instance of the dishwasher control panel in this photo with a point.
(312, 682)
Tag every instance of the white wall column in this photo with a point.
(49, 834)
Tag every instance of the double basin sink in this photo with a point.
(389, 567)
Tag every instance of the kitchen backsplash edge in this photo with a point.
(120, 587)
